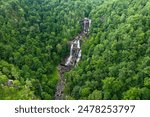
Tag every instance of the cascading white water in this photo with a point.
(78, 44)
(68, 62)
(79, 54)
(71, 49)
(79, 57)
(89, 24)
(75, 55)
(84, 27)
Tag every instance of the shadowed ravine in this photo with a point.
(72, 60)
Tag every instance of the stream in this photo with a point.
(73, 59)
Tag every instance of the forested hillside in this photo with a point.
(116, 59)
(34, 37)
(33, 40)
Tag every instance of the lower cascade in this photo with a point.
(75, 53)
(73, 59)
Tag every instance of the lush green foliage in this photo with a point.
(116, 59)
(33, 39)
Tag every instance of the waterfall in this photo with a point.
(84, 27)
(73, 59)
(70, 57)
(78, 44)
(75, 49)
(79, 54)
(79, 57)
(68, 61)
(89, 24)
(75, 55)
(71, 49)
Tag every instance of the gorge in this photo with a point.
(73, 59)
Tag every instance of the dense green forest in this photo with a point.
(115, 61)
(33, 40)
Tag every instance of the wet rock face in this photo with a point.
(73, 59)
(10, 82)
(86, 24)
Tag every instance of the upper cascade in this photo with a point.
(86, 25)
(75, 49)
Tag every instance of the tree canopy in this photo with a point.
(115, 59)
(34, 37)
